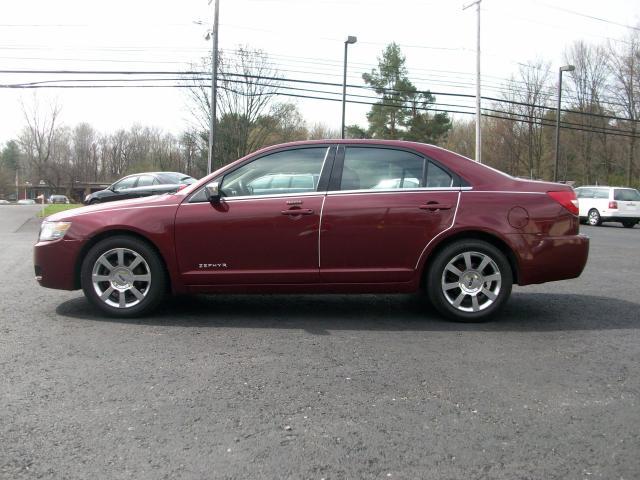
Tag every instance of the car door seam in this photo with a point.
(320, 230)
(453, 221)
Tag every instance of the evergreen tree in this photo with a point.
(402, 111)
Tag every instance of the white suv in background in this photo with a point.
(609, 204)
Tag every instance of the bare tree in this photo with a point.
(37, 139)
(246, 86)
(84, 157)
(624, 63)
(320, 131)
(587, 84)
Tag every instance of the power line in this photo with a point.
(541, 121)
(187, 74)
(591, 17)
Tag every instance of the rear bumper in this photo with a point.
(55, 263)
(620, 217)
(547, 259)
(616, 216)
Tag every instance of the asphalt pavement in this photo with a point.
(359, 387)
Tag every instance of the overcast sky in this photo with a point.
(303, 38)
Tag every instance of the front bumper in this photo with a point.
(55, 263)
(547, 259)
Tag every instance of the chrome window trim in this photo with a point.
(369, 191)
(506, 191)
(244, 198)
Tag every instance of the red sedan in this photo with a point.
(323, 217)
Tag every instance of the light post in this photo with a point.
(350, 40)
(26, 184)
(565, 68)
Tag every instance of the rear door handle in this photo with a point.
(298, 211)
(433, 206)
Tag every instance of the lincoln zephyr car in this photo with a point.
(334, 216)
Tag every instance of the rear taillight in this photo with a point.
(181, 187)
(613, 205)
(566, 198)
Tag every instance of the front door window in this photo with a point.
(282, 173)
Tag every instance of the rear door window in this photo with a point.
(367, 168)
(145, 180)
(438, 177)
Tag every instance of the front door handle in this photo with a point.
(297, 211)
(433, 206)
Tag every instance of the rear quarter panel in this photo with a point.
(531, 224)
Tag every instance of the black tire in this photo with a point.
(483, 307)
(94, 201)
(629, 223)
(150, 267)
(593, 218)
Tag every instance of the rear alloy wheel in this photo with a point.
(594, 218)
(629, 223)
(469, 281)
(123, 277)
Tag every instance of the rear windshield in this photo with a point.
(626, 195)
(176, 178)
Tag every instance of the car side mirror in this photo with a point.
(212, 192)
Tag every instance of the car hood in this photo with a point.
(152, 201)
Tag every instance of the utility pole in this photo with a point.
(214, 86)
(478, 97)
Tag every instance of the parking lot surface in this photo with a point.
(276, 386)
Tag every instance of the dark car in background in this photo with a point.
(141, 185)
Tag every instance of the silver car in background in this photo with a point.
(609, 204)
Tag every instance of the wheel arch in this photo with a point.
(113, 233)
(493, 239)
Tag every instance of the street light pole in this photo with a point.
(565, 68)
(350, 40)
(478, 97)
(214, 86)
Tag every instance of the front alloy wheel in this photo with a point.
(469, 280)
(123, 276)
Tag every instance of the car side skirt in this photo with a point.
(402, 287)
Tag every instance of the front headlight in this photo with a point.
(53, 230)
